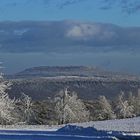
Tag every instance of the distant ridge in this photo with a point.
(66, 71)
(70, 72)
(51, 71)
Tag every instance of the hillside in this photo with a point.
(43, 82)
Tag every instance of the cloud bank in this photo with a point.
(66, 36)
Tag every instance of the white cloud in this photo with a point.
(20, 32)
(83, 31)
(87, 31)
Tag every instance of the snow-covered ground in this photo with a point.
(128, 125)
(100, 130)
(68, 132)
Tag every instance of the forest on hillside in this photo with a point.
(65, 107)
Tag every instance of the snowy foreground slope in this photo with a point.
(128, 125)
(125, 129)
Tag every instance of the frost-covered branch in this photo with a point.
(70, 109)
(7, 105)
(123, 109)
(26, 113)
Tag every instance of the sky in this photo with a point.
(120, 12)
(103, 33)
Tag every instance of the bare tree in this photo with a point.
(70, 109)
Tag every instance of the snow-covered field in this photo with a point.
(128, 125)
(100, 130)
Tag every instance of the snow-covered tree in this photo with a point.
(104, 110)
(26, 113)
(123, 109)
(7, 105)
(136, 104)
(135, 101)
(70, 109)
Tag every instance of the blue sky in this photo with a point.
(120, 12)
(71, 42)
